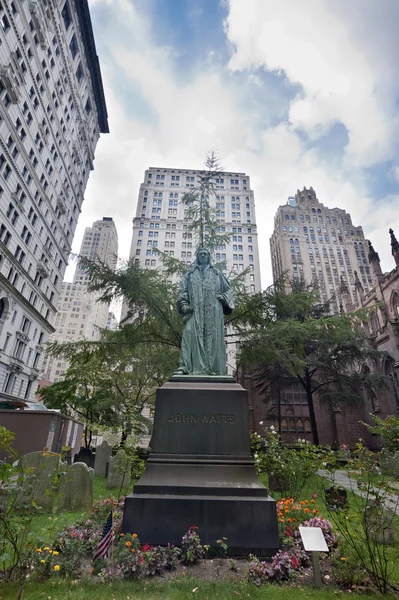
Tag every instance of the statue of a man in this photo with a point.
(204, 297)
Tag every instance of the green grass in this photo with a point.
(180, 589)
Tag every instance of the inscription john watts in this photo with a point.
(205, 419)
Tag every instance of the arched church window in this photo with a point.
(395, 304)
(2, 307)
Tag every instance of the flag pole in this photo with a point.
(113, 534)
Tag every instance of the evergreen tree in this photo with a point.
(293, 333)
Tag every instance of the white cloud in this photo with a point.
(313, 45)
(343, 73)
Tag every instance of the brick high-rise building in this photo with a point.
(52, 110)
(320, 244)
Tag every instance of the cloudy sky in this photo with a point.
(294, 93)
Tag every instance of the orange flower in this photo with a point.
(306, 510)
(122, 535)
(315, 512)
(134, 535)
(302, 503)
(306, 501)
(128, 544)
(313, 501)
(133, 550)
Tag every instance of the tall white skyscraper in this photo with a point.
(322, 245)
(79, 313)
(160, 221)
(52, 113)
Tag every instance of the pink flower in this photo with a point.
(314, 496)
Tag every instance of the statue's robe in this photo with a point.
(203, 348)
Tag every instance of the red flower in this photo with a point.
(294, 562)
(146, 547)
(288, 531)
(194, 527)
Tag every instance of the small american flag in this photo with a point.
(106, 540)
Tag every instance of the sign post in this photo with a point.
(313, 541)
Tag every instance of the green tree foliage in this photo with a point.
(325, 354)
(109, 383)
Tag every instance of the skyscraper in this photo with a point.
(79, 313)
(52, 113)
(322, 245)
(160, 221)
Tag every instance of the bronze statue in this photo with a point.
(205, 296)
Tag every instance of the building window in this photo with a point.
(73, 46)
(79, 72)
(66, 15)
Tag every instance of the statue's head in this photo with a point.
(203, 257)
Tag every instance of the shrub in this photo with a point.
(46, 563)
(291, 468)
(191, 549)
(281, 568)
(387, 428)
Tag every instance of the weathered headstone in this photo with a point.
(86, 456)
(336, 498)
(389, 463)
(39, 485)
(119, 471)
(77, 489)
(103, 454)
(381, 525)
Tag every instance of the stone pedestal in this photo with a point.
(201, 472)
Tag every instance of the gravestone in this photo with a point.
(39, 469)
(103, 454)
(119, 471)
(86, 456)
(389, 463)
(77, 489)
(336, 498)
(381, 525)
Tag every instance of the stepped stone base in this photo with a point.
(201, 472)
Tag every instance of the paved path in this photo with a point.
(341, 479)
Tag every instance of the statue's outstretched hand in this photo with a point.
(220, 297)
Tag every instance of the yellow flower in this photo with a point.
(56, 567)
(42, 561)
(46, 548)
(38, 549)
(50, 551)
(343, 558)
(55, 553)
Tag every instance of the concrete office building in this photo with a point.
(160, 221)
(320, 244)
(52, 111)
(79, 313)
